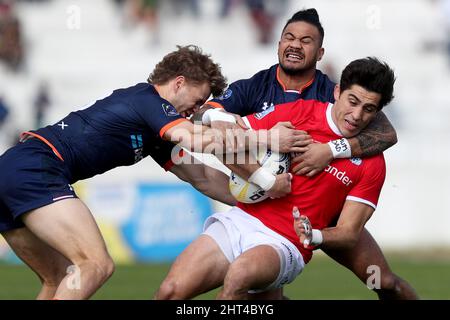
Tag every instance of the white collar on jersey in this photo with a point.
(330, 121)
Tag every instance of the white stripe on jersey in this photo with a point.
(352, 198)
(247, 123)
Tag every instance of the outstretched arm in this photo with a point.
(204, 139)
(283, 137)
(199, 176)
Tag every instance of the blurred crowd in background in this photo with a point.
(11, 38)
(135, 13)
(263, 14)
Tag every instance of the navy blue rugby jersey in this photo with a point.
(118, 130)
(265, 89)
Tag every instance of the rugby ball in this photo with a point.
(247, 192)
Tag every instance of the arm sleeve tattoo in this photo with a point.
(378, 136)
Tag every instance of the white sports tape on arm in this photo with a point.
(316, 238)
(263, 178)
(340, 148)
(211, 115)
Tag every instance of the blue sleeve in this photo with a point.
(155, 111)
(236, 99)
(327, 90)
(330, 93)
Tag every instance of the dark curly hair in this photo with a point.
(371, 74)
(191, 63)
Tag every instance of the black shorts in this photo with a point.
(31, 176)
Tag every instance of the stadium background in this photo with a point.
(82, 50)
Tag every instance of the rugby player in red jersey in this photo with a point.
(254, 247)
(296, 77)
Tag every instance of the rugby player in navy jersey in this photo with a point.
(296, 77)
(42, 219)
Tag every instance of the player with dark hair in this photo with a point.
(42, 219)
(254, 247)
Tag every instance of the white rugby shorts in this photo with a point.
(236, 231)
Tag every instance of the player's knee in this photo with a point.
(107, 266)
(166, 290)
(169, 290)
(233, 289)
(393, 287)
(236, 280)
(389, 281)
(103, 267)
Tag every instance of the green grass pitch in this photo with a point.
(322, 279)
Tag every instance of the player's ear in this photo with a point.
(320, 54)
(337, 92)
(179, 82)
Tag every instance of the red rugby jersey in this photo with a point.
(321, 197)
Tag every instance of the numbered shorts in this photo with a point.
(31, 177)
(236, 231)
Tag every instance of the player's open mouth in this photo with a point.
(350, 126)
(294, 56)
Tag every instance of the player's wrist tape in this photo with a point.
(263, 178)
(316, 238)
(340, 148)
(211, 115)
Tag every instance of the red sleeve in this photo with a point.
(268, 118)
(368, 188)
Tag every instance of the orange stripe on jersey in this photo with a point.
(215, 104)
(279, 79)
(170, 125)
(284, 86)
(307, 85)
(35, 135)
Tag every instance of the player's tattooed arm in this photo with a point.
(377, 137)
(374, 139)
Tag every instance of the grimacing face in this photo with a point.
(190, 97)
(299, 47)
(354, 109)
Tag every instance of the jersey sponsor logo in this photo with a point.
(226, 94)
(169, 110)
(340, 175)
(266, 109)
(356, 161)
(138, 147)
(138, 154)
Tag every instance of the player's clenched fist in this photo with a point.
(281, 187)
